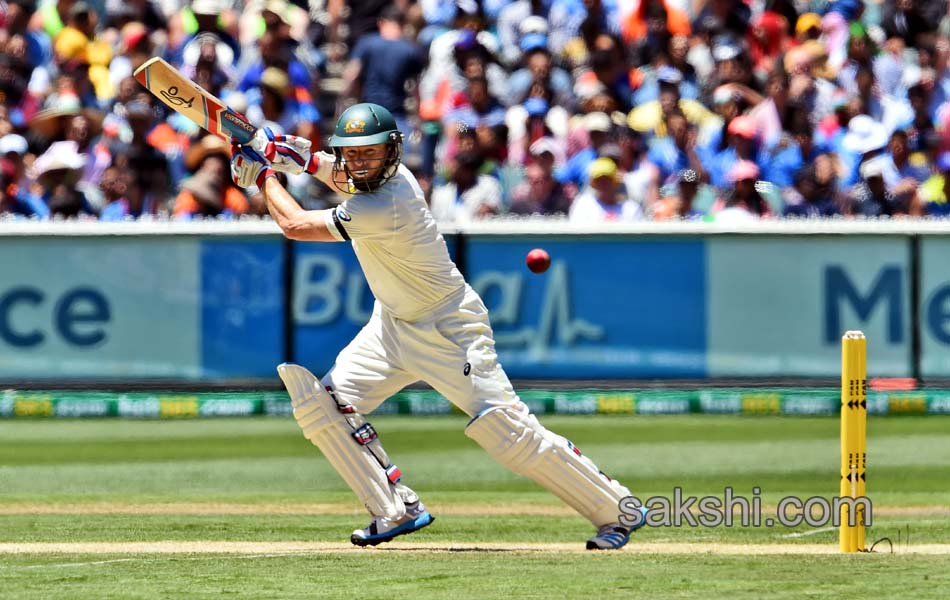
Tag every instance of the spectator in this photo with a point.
(568, 18)
(815, 191)
(538, 70)
(15, 196)
(604, 198)
(278, 109)
(468, 195)
(518, 20)
(871, 196)
(117, 205)
(597, 125)
(140, 156)
(678, 150)
(901, 173)
(539, 194)
(640, 176)
(650, 118)
(732, 16)
(382, 64)
(649, 19)
(56, 173)
(744, 203)
(807, 27)
(902, 20)
(209, 192)
(742, 145)
(678, 199)
(36, 48)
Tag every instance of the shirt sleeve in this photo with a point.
(362, 217)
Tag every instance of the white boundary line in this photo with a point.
(264, 548)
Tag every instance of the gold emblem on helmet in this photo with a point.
(354, 126)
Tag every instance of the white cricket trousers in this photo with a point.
(452, 350)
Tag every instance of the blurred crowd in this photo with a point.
(593, 110)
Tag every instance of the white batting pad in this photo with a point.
(348, 442)
(516, 439)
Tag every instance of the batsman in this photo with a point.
(427, 324)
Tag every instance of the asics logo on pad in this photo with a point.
(467, 369)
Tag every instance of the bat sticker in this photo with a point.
(171, 94)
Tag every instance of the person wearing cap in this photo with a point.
(202, 16)
(517, 20)
(743, 202)
(767, 39)
(56, 174)
(209, 192)
(863, 139)
(605, 198)
(742, 145)
(807, 27)
(656, 77)
(279, 109)
(538, 70)
(934, 194)
(15, 195)
(527, 124)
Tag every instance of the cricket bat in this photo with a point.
(184, 96)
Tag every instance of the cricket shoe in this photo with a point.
(382, 529)
(614, 536)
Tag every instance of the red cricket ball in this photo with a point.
(538, 260)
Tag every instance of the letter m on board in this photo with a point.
(839, 288)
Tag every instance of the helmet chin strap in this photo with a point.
(387, 170)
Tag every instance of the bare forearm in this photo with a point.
(294, 221)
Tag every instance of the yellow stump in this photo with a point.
(854, 413)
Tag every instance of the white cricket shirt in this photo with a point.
(400, 249)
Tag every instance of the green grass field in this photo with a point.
(248, 508)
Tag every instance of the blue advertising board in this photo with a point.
(140, 307)
(607, 307)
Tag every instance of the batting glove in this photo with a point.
(286, 153)
(249, 168)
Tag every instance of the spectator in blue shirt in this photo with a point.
(538, 70)
(677, 150)
(574, 172)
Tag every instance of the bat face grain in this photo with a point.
(192, 101)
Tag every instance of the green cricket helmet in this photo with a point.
(365, 124)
